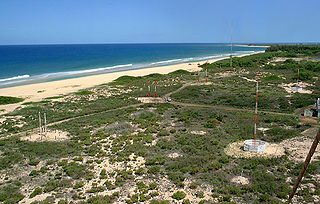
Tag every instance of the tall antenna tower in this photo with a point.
(256, 110)
(231, 45)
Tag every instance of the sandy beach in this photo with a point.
(39, 91)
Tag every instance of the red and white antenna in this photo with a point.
(149, 92)
(256, 111)
(155, 89)
(206, 73)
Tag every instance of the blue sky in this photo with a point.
(159, 21)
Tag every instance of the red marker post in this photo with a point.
(149, 93)
(155, 89)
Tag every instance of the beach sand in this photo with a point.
(40, 91)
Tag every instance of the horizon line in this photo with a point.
(119, 43)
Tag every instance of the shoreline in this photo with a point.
(251, 45)
(39, 91)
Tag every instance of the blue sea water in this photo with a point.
(37, 63)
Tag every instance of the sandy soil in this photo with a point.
(198, 132)
(37, 92)
(236, 150)
(299, 147)
(174, 155)
(291, 87)
(151, 100)
(240, 180)
(52, 135)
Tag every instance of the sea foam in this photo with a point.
(15, 78)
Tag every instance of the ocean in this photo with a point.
(25, 64)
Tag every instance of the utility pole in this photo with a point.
(45, 124)
(40, 131)
(231, 46)
(306, 163)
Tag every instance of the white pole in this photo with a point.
(256, 110)
(45, 124)
(40, 132)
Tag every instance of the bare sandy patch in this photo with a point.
(299, 87)
(52, 136)
(174, 155)
(236, 150)
(225, 74)
(37, 198)
(299, 147)
(198, 132)
(240, 180)
(151, 100)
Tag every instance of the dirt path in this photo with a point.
(228, 108)
(176, 91)
(91, 114)
(77, 117)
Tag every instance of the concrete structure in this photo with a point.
(308, 113)
(296, 89)
(256, 146)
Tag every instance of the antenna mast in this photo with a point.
(256, 110)
(231, 45)
(40, 132)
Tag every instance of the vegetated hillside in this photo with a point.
(9, 100)
(119, 150)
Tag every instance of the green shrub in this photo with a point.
(63, 201)
(79, 184)
(193, 186)
(36, 192)
(179, 195)
(35, 103)
(33, 173)
(186, 201)
(264, 197)
(200, 194)
(84, 92)
(211, 123)
(159, 202)
(163, 132)
(272, 78)
(10, 194)
(9, 100)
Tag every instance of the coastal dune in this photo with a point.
(39, 91)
